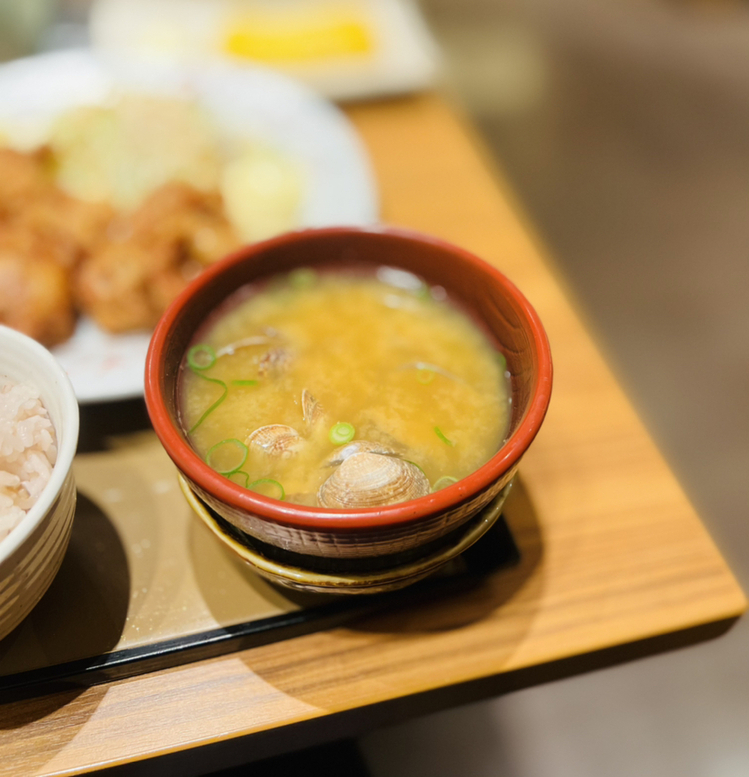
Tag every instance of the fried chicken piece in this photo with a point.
(23, 177)
(30, 199)
(76, 228)
(150, 257)
(35, 295)
(126, 286)
(180, 213)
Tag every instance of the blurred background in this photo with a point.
(624, 130)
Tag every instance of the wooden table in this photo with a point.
(615, 562)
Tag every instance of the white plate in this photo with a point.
(258, 103)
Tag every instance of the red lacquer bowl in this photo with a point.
(379, 535)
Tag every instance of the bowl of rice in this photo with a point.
(38, 438)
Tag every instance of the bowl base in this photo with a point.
(348, 576)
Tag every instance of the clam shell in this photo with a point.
(276, 439)
(274, 361)
(367, 479)
(312, 410)
(340, 455)
(245, 342)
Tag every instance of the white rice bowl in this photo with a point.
(37, 487)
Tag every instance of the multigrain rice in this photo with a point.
(28, 451)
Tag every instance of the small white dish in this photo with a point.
(344, 49)
(31, 554)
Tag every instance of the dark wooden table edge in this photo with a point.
(236, 751)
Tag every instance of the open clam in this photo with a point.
(276, 440)
(312, 410)
(366, 479)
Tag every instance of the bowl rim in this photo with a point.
(327, 519)
(66, 438)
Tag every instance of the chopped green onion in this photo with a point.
(502, 361)
(280, 493)
(242, 474)
(425, 376)
(408, 461)
(227, 456)
(244, 383)
(215, 404)
(341, 433)
(443, 482)
(442, 437)
(201, 357)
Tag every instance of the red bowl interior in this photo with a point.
(493, 302)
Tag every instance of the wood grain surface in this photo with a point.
(612, 551)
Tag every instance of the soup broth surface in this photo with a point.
(328, 355)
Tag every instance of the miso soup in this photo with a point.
(344, 390)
